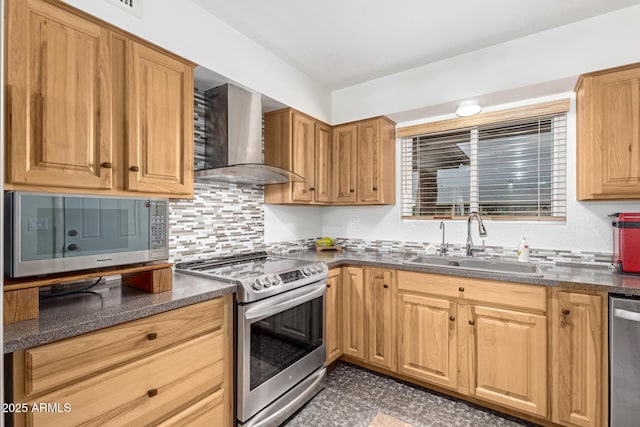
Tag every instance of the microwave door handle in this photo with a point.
(626, 314)
(283, 302)
(58, 226)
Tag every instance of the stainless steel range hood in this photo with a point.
(233, 135)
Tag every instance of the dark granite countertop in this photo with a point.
(586, 278)
(111, 304)
(107, 305)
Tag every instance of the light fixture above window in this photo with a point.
(468, 108)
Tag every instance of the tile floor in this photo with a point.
(356, 397)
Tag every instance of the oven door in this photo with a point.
(280, 342)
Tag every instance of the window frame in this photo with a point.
(472, 124)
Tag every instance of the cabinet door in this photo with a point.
(322, 192)
(577, 359)
(369, 164)
(58, 92)
(616, 133)
(344, 164)
(160, 111)
(303, 135)
(353, 312)
(333, 315)
(508, 358)
(380, 291)
(427, 339)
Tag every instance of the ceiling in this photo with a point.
(341, 43)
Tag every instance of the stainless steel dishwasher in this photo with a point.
(624, 361)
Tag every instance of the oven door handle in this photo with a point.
(283, 302)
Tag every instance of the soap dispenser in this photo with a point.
(523, 250)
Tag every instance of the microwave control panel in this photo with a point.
(158, 219)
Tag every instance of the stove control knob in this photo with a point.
(306, 271)
(257, 285)
(267, 282)
(320, 268)
(313, 269)
(275, 280)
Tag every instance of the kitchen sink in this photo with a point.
(478, 264)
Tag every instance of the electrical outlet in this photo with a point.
(355, 222)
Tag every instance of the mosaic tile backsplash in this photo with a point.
(542, 256)
(222, 219)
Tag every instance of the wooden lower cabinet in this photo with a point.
(333, 315)
(353, 310)
(485, 339)
(579, 373)
(369, 315)
(187, 377)
(539, 353)
(201, 413)
(508, 358)
(428, 339)
(380, 310)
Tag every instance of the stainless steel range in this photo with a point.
(280, 332)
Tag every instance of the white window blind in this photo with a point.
(513, 169)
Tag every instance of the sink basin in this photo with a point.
(477, 264)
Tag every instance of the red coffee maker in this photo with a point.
(626, 242)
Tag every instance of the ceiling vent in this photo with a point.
(134, 7)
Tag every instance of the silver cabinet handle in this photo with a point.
(626, 314)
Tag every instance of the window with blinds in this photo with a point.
(513, 169)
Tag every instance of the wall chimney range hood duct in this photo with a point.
(233, 140)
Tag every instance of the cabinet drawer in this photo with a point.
(528, 297)
(201, 414)
(509, 294)
(53, 365)
(425, 283)
(144, 390)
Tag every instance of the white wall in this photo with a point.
(188, 30)
(587, 227)
(284, 223)
(533, 61)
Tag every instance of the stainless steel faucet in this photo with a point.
(443, 247)
(481, 230)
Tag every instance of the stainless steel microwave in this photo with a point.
(53, 233)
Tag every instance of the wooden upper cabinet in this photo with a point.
(376, 161)
(58, 98)
(578, 367)
(351, 164)
(608, 147)
(322, 192)
(299, 143)
(344, 165)
(303, 161)
(85, 102)
(160, 112)
(380, 300)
